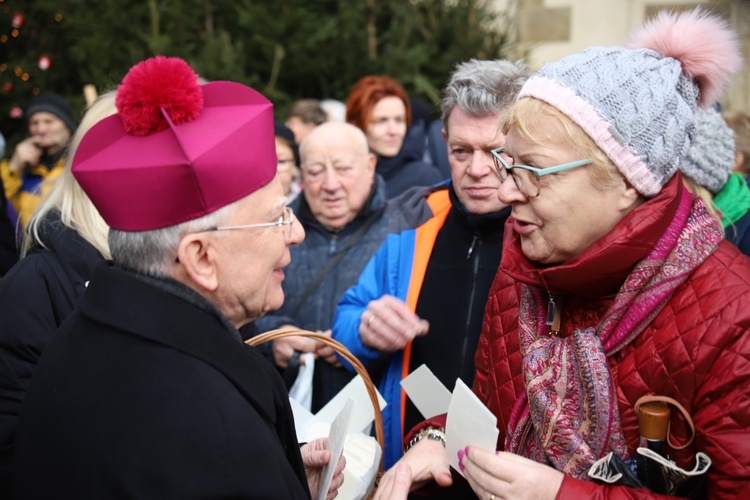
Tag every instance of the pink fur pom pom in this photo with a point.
(705, 46)
(156, 84)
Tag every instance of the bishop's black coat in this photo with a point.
(147, 391)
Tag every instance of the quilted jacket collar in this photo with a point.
(601, 269)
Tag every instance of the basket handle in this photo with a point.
(346, 354)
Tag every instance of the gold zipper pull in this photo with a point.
(553, 316)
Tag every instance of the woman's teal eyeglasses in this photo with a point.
(526, 177)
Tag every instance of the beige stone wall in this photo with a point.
(547, 30)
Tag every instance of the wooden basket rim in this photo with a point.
(346, 354)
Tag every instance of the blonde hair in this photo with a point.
(705, 194)
(68, 198)
(523, 115)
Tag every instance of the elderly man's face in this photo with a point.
(49, 132)
(250, 261)
(337, 173)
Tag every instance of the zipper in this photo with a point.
(553, 316)
(475, 244)
(324, 315)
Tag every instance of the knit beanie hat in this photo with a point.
(638, 103)
(711, 155)
(55, 104)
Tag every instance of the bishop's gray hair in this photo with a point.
(483, 88)
(154, 252)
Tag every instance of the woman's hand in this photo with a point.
(494, 476)
(424, 462)
(388, 324)
(315, 456)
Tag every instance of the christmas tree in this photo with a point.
(286, 49)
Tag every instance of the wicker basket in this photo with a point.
(358, 367)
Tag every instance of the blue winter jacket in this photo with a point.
(397, 269)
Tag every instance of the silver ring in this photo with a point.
(372, 317)
(492, 496)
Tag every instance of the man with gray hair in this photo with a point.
(147, 390)
(421, 298)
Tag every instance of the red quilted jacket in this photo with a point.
(696, 350)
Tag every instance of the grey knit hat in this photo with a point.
(638, 103)
(55, 104)
(711, 155)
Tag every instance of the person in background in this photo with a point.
(615, 282)
(63, 243)
(430, 132)
(421, 298)
(148, 381)
(707, 171)
(8, 246)
(303, 117)
(740, 124)
(343, 211)
(41, 156)
(379, 106)
(335, 110)
(287, 155)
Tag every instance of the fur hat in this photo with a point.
(176, 150)
(711, 155)
(638, 103)
(55, 104)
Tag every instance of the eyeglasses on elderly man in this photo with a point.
(286, 219)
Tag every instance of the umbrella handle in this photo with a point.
(666, 399)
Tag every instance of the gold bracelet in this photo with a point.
(433, 433)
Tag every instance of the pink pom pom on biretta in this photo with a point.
(705, 46)
(156, 86)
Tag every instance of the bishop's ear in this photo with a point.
(195, 260)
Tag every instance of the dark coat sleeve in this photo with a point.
(8, 246)
(32, 305)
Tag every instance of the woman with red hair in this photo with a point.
(380, 107)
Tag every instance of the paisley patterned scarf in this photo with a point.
(569, 415)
